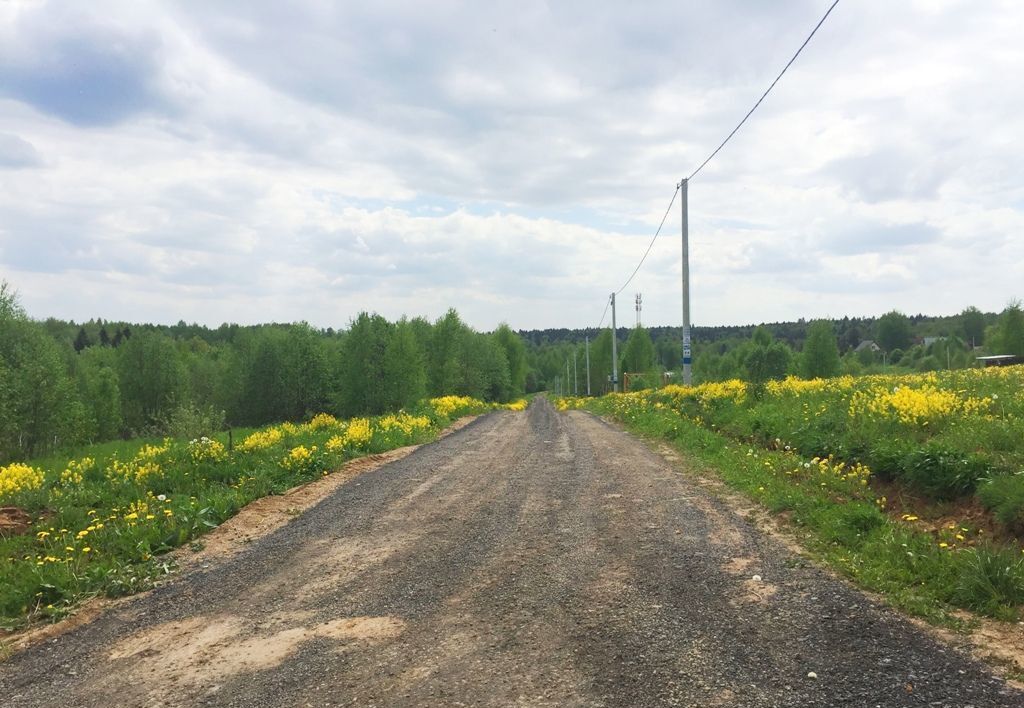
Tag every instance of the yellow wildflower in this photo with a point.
(19, 477)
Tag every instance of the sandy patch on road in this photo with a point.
(752, 591)
(738, 565)
(327, 564)
(266, 515)
(202, 651)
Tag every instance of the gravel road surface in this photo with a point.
(530, 559)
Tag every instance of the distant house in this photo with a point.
(928, 341)
(869, 345)
(1000, 360)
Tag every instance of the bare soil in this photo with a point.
(14, 521)
(530, 559)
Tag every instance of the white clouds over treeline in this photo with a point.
(268, 161)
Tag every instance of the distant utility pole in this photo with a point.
(687, 359)
(615, 352)
(587, 340)
(575, 380)
(567, 386)
(639, 307)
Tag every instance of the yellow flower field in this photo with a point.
(945, 434)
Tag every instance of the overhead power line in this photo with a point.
(607, 304)
(709, 158)
(650, 245)
(788, 64)
(643, 258)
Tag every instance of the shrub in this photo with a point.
(1004, 497)
(942, 473)
(848, 525)
(886, 457)
(188, 420)
(992, 581)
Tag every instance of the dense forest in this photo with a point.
(63, 384)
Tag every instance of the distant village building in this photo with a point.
(928, 341)
(869, 345)
(1000, 360)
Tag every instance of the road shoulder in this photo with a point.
(257, 519)
(999, 645)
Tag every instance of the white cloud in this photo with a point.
(260, 162)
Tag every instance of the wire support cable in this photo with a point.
(607, 304)
(765, 94)
(651, 244)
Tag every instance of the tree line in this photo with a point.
(757, 353)
(63, 384)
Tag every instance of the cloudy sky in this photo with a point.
(262, 161)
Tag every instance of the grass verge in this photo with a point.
(102, 522)
(928, 573)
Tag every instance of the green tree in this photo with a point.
(718, 362)
(306, 372)
(151, 378)
(638, 354)
(893, 331)
(364, 376)
(96, 371)
(261, 363)
(1009, 331)
(670, 352)
(851, 337)
(601, 363)
(821, 352)
(405, 371)
(478, 368)
(39, 405)
(443, 354)
(972, 324)
(515, 353)
(81, 340)
(497, 379)
(10, 308)
(766, 359)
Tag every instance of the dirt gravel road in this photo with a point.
(530, 559)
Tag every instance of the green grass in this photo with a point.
(940, 434)
(104, 529)
(926, 573)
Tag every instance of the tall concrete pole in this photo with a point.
(568, 388)
(687, 359)
(575, 378)
(615, 352)
(587, 340)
